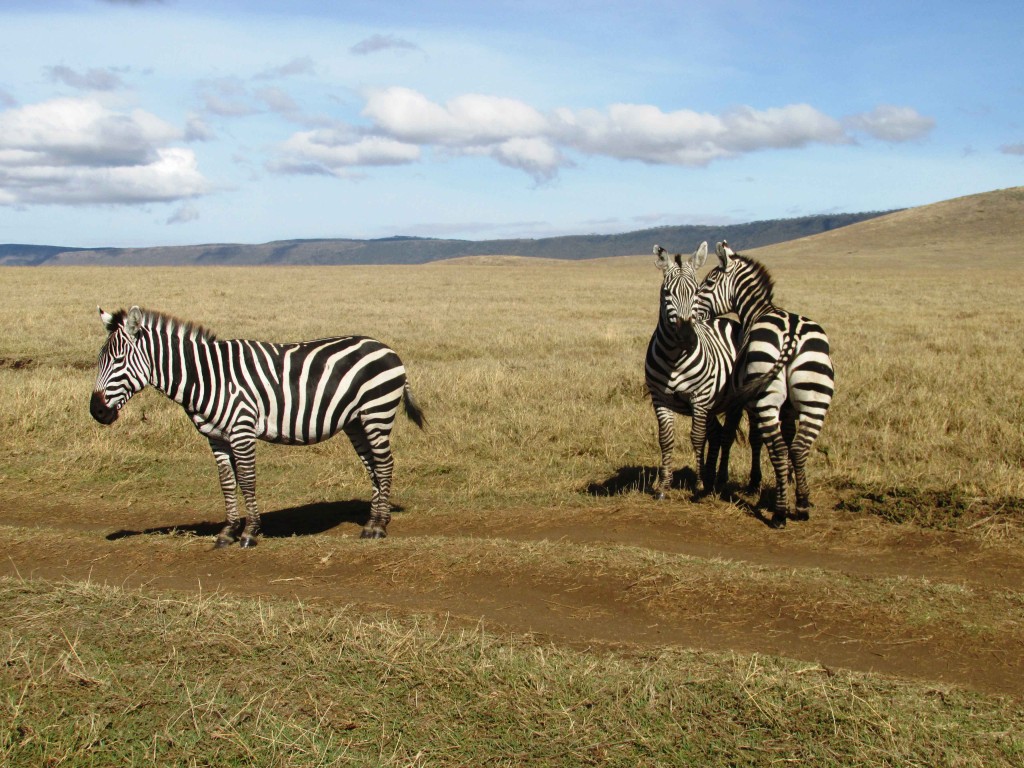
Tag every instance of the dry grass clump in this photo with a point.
(97, 675)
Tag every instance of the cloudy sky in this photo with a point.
(153, 122)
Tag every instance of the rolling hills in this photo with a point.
(953, 231)
(417, 250)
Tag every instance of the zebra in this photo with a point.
(790, 350)
(688, 368)
(237, 391)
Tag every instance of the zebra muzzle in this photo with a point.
(99, 409)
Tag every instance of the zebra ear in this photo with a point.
(107, 318)
(700, 256)
(661, 258)
(724, 253)
(133, 321)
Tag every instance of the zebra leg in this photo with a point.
(779, 454)
(727, 438)
(754, 484)
(699, 440)
(716, 448)
(666, 440)
(374, 449)
(226, 469)
(787, 422)
(245, 463)
(357, 436)
(806, 434)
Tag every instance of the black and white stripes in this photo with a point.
(238, 391)
(688, 368)
(787, 352)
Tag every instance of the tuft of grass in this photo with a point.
(208, 679)
(949, 509)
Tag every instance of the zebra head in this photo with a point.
(679, 284)
(124, 368)
(738, 284)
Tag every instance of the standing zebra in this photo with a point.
(688, 368)
(793, 352)
(238, 391)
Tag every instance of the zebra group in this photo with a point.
(239, 391)
(772, 364)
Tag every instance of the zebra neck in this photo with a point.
(186, 367)
(678, 342)
(749, 312)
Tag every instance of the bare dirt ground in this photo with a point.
(310, 553)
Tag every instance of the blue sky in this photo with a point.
(162, 122)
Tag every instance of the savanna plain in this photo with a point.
(533, 603)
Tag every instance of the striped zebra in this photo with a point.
(237, 391)
(790, 350)
(688, 368)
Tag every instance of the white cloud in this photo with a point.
(469, 120)
(91, 80)
(277, 99)
(83, 132)
(537, 157)
(298, 66)
(184, 214)
(171, 176)
(334, 151)
(76, 151)
(519, 136)
(196, 129)
(227, 97)
(891, 123)
(643, 132)
(377, 43)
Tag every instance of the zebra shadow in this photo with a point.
(760, 510)
(303, 520)
(642, 479)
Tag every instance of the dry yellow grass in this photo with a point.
(532, 373)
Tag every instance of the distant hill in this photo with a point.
(416, 250)
(956, 231)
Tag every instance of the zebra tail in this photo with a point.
(748, 391)
(412, 410)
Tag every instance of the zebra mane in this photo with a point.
(165, 323)
(760, 273)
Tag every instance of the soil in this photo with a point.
(597, 610)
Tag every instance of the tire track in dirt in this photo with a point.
(441, 565)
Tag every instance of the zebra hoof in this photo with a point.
(222, 541)
(778, 521)
(373, 533)
(659, 496)
(801, 514)
(248, 542)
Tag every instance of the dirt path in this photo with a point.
(503, 569)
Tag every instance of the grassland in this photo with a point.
(886, 631)
(149, 680)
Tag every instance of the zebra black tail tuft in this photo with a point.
(412, 410)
